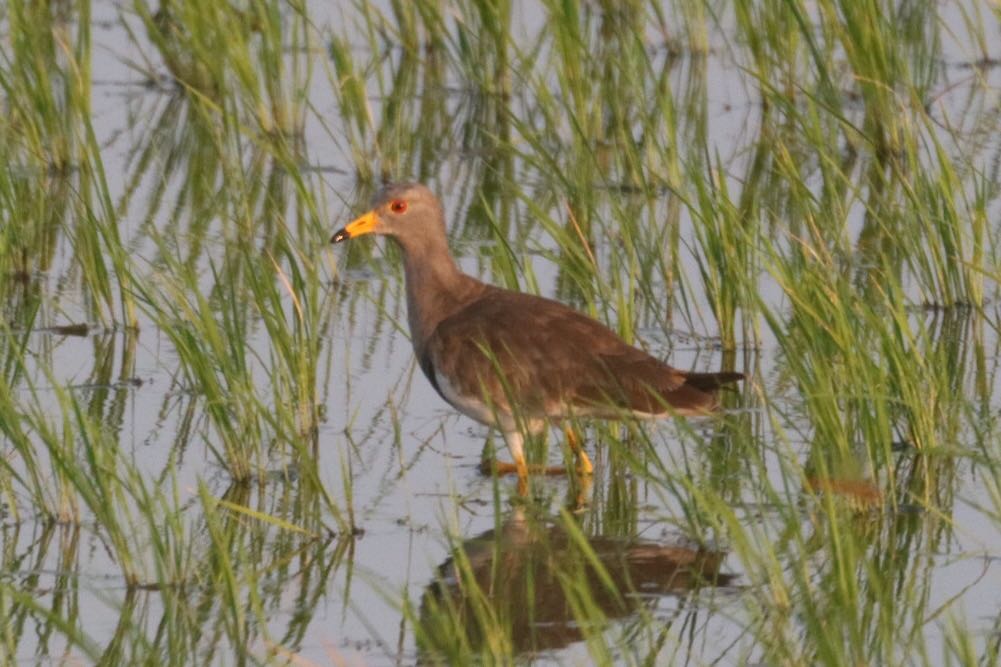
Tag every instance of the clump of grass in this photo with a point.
(240, 387)
(53, 168)
(231, 59)
(44, 72)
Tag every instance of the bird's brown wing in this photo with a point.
(643, 384)
(548, 359)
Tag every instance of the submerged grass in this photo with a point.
(793, 190)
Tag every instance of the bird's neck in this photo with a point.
(436, 288)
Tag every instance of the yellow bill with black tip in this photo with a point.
(366, 224)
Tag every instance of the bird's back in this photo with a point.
(527, 354)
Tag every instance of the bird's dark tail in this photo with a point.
(709, 382)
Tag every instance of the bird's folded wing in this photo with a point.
(517, 349)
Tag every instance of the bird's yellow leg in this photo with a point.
(519, 467)
(584, 466)
(515, 443)
(577, 493)
(522, 469)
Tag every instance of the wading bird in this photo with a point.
(514, 361)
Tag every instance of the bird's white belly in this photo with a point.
(469, 405)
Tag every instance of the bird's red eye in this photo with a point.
(398, 206)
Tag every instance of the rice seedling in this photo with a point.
(231, 59)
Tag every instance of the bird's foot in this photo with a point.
(488, 467)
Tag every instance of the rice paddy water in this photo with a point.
(215, 444)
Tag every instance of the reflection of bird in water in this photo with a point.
(523, 587)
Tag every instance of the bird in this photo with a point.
(513, 361)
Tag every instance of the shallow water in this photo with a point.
(389, 453)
